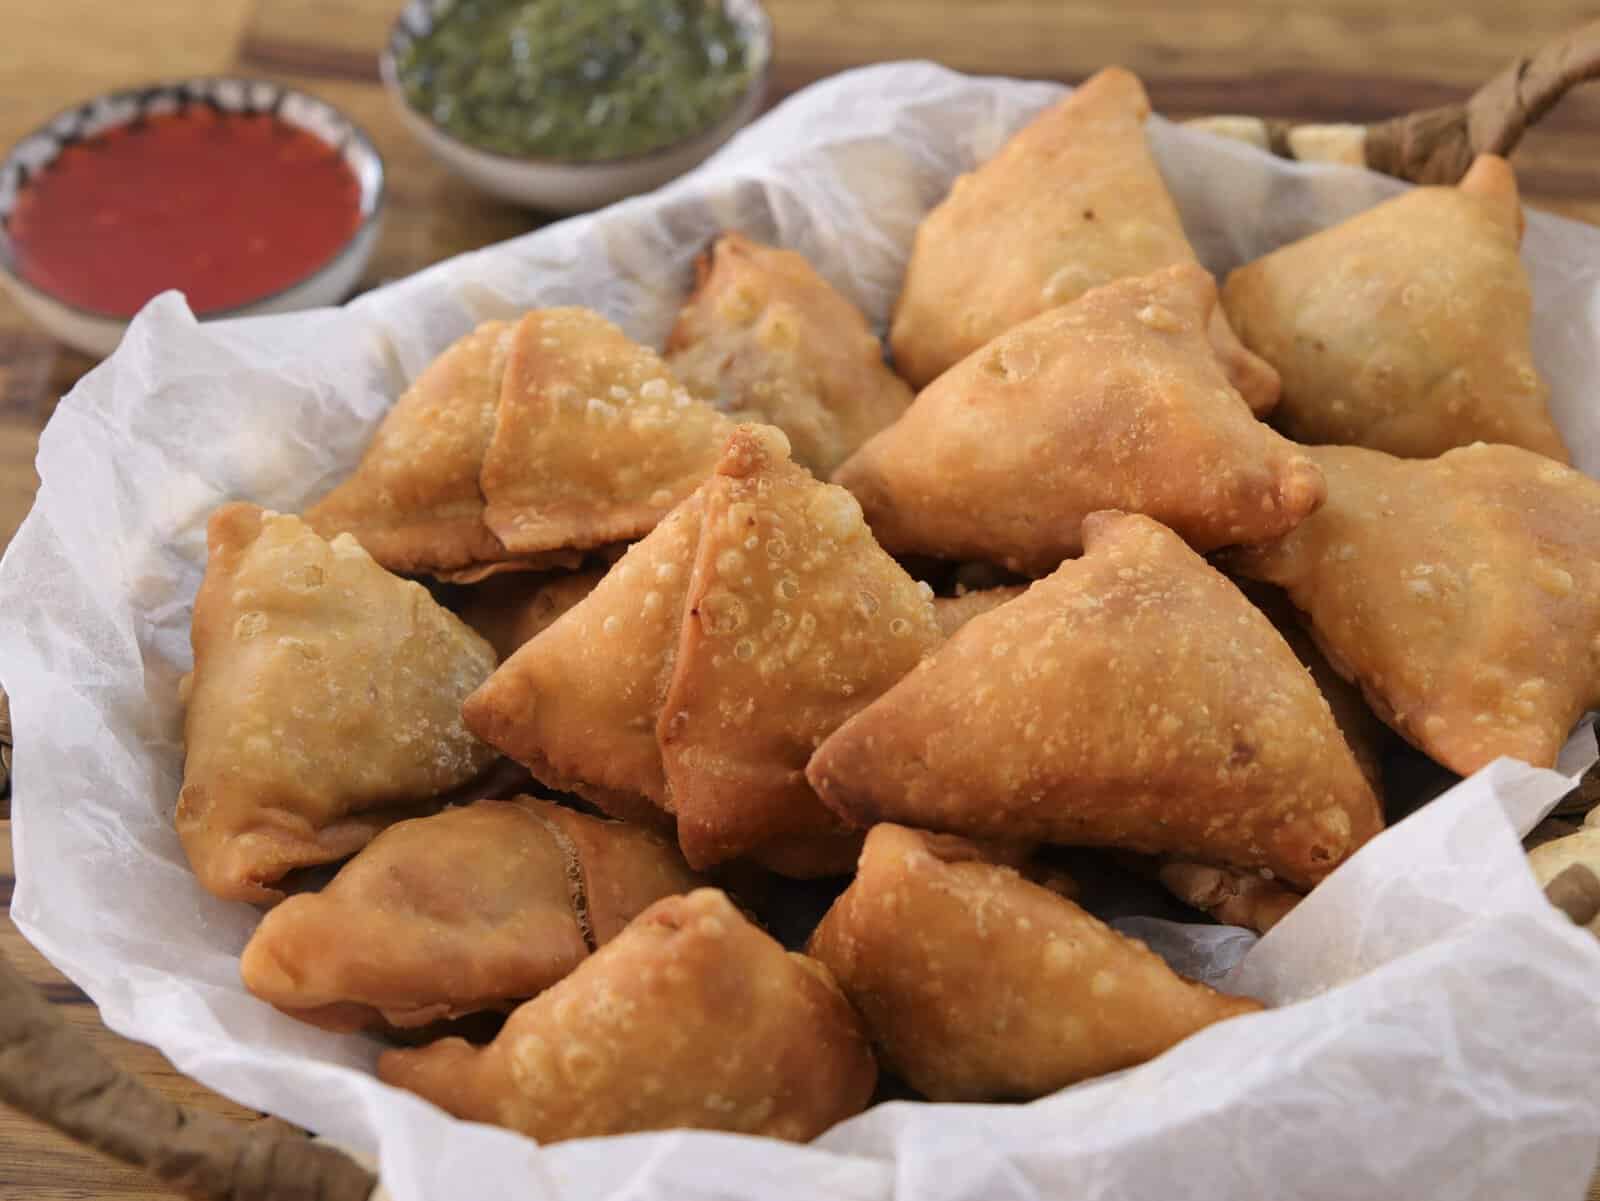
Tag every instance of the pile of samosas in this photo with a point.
(993, 634)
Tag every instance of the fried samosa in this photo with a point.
(766, 339)
(1134, 699)
(1112, 402)
(709, 664)
(511, 609)
(954, 612)
(1234, 898)
(1070, 203)
(474, 908)
(595, 441)
(414, 502)
(325, 701)
(577, 705)
(797, 619)
(1461, 593)
(1406, 328)
(690, 1018)
(978, 985)
(522, 445)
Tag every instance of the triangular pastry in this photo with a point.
(767, 339)
(797, 620)
(522, 445)
(707, 666)
(325, 701)
(594, 440)
(577, 704)
(954, 612)
(1113, 401)
(1073, 201)
(511, 609)
(1233, 897)
(977, 984)
(414, 501)
(1133, 699)
(470, 909)
(1461, 593)
(1406, 328)
(690, 1018)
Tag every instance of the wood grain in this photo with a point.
(1335, 60)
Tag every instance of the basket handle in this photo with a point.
(1437, 145)
(52, 1073)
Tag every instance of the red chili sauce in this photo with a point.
(226, 207)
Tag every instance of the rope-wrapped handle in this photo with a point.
(1437, 145)
(52, 1073)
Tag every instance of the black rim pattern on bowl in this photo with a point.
(416, 21)
(223, 94)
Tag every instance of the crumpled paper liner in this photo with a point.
(1435, 1030)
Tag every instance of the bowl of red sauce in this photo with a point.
(246, 196)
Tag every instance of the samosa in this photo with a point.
(474, 908)
(523, 445)
(325, 703)
(1072, 202)
(978, 985)
(1461, 593)
(1115, 401)
(510, 609)
(708, 665)
(414, 501)
(1406, 328)
(954, 612)
(690, 1018)
(594, 439)
(797, 618)
(577, 704)
(1133, 699)
(766, 339)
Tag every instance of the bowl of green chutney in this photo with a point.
(567, 105)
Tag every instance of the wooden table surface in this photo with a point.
(1329, 60)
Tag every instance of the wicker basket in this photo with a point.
(53, 1074)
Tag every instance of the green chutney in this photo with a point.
(578, 80)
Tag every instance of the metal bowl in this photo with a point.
(97, 333)
(563, 185)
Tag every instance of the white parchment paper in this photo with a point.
(1436, 1032)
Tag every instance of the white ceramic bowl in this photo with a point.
(98, 333)
(558, 185)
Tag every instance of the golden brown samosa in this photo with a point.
(1070, 203)
(325, 701)
(594, 440)
(1113, 401)
(796, 619)
(690, 1018)
(1133, 699)
(979, 985)
(713, 659)
(954, 612)
(1233, 897)
(577, 704)
(470, 909)
(414, 500)
(1461, 593)
(1406, 328)
(765, 338)
(521, 446)
(510, 609)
